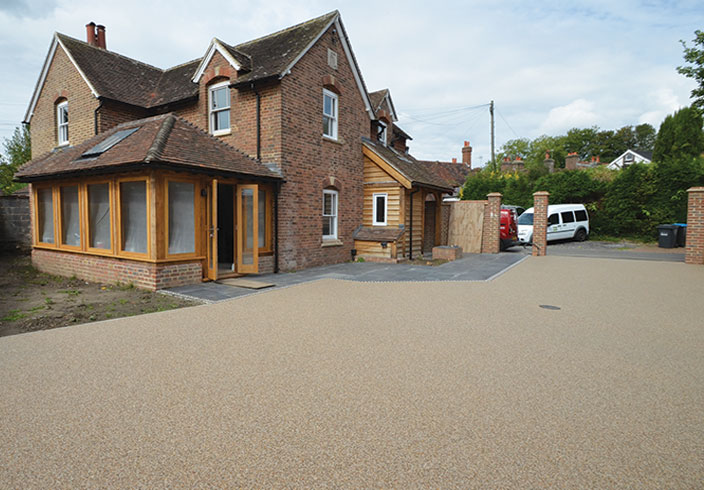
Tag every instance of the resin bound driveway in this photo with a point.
(351, 384)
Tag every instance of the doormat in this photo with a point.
(242, 282)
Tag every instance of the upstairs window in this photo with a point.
(381, 132)
(329, 114)
(219, 108)
(62, 123)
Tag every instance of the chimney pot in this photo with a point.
(454, 160)
(90, 34)
(100, 41)
(466, 143)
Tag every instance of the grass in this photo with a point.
(13, 316)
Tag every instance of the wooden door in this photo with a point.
(248, 229)
(212, 214)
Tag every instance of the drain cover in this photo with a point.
(550, 307)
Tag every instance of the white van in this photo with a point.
(565, 221)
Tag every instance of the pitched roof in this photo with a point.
(164, 139)
(377, 98)
(455, 174)
(127, 80)
(417, 172)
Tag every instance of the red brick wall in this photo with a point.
(144, 275)
(491, 227)
(540, 223)
(62, 81)
(310, 161)
(113, 113)
(694, 248)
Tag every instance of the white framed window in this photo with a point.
(329, 214)
(62, 123)
(379, 210)
(329, 114)
(381, 132)
(219, 108)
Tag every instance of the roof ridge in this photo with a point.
(281, 31)
(161, 138)
(114, 53)
(182, 64)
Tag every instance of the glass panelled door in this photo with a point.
(212, 214)
(247, 229)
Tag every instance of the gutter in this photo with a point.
(95, 114)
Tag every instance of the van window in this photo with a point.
(567, 217)
(525, 219)
(581, 215)
(554, 219)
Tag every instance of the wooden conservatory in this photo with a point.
(156, 203)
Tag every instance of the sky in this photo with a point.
(548, 65)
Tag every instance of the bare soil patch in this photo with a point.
(32, 300)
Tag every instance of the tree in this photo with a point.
(680, 136)
(645, 137)
(18, 150)
(695, 56)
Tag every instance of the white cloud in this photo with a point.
(666, 102)
(578, 113)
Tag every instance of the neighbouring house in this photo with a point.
(629, 157)
(264, 156)
(572, 162)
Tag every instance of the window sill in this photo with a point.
(61, 145)
(222, 133)
(331, 139)
(331, 242)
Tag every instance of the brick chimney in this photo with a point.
(95, 35)
(454, 160)
(571, 161)
(467, 154)
(91, 37)
(101, 36)
(549, 162)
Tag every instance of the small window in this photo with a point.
(380, 209)
(567, 217)
(581, 215)
(99, 235)
(332, 59)
(182, 222)
(62, 123)
(329, 114)
(45, 216)
(219, 109)
(554, 219)
(381, 134)
(70, 217)
(133, 215)
(329, 214)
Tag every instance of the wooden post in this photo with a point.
(438, 217)
(694, 247)
(540, 223)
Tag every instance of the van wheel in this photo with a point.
(581, 235)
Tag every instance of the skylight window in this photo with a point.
(108, 143)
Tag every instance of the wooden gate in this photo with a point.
(466, 223)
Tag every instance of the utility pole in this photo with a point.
(493, 156)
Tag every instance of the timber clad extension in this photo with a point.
(258, 157)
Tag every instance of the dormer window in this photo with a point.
(381, 132)
(219, 108)
(62, 123)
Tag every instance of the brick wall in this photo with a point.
(694, 247)
(540, 223)
(310, 162)
(113, 113)
(445, 219)
(491, 227)
(63, 81)
(144, 275)
(15, 225)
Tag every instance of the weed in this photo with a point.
(14, 315)
(49, 301)
(37, 308)
(71, 292)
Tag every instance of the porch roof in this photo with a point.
(164, 140)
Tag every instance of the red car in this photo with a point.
(509, 228)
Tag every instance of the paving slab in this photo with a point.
(351, 384)
(471, 267)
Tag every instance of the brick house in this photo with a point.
(216, 167)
